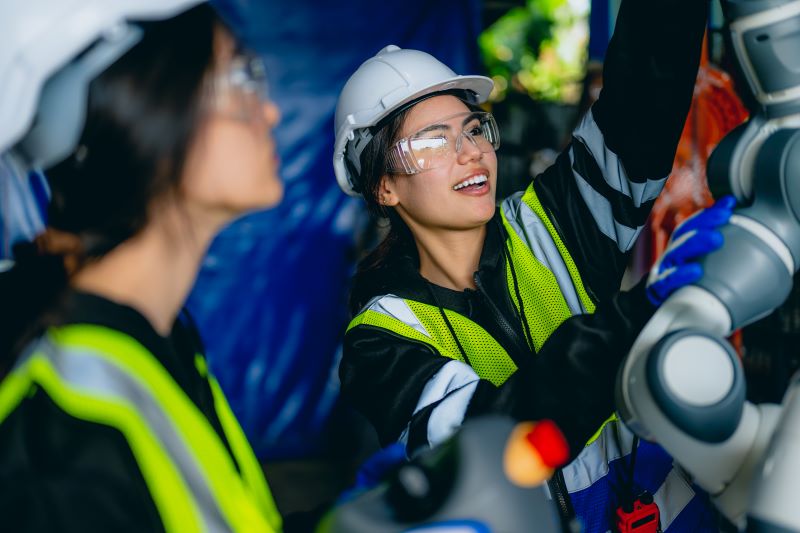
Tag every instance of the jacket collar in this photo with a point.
(493, 253)
(401, 275)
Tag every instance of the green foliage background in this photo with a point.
(539, 49)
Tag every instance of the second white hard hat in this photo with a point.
(390, 80)
(44, 90)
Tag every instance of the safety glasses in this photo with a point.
(241, 91)
(438, 144)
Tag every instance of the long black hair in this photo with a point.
(398, 240)
(142, 115)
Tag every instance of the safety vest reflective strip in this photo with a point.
(489, 360)
(103, 376)
(248, 463)
(548, 280)
(532, 200)
(526, 226)
(162, 479)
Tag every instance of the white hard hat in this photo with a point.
(40, 41)
(382, 84)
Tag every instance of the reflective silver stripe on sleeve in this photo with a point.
(395, 307)
(447, 417)
(600, 208)
(613, 171)
(93, 375)
(672, 497)
(591, 465)
(589, 134)
(453, 386)
(530, 228)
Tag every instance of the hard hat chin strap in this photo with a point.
(352, 156)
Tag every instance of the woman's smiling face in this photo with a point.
(459, 192)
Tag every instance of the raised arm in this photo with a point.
(600, 191)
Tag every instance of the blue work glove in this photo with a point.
(376, 468)
(696, 237)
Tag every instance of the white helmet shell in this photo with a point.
(384, 83)
(40, 37)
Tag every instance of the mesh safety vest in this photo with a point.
(548, 282)
(102, 376)
(551, 289)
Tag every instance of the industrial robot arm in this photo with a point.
(682, 384)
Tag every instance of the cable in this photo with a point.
(525, 327)
(447, 322)
(632, 467)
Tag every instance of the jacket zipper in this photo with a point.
(521, 347)
(558, 490)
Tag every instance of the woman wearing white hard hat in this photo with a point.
(155, 130)
(467, 308)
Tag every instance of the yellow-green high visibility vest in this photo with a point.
(551, 289)
(106, 377)
(549, 285)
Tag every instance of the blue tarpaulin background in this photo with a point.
(270, 300)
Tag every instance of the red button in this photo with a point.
(550, 443)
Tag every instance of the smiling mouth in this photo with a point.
(473, 182)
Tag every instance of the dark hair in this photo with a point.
(143, 111)
(399, 239)
(141, 117)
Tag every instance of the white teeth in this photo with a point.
(471, 181)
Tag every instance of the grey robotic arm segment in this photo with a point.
(764, 37)
(709, 429)
(752, 274)
(685, 309)
(774, 505)
(776, 202)
(645, 384)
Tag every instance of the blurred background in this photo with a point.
(270, 301)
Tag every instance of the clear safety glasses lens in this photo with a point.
(242, 90)
(437, 144)
(248, 75)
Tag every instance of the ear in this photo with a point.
(386, 196)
